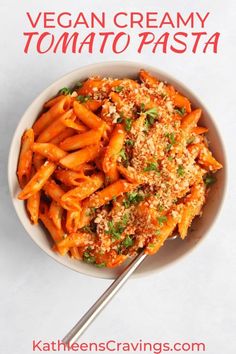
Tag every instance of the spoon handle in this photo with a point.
(98, 306)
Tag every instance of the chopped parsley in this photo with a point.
(128, 242)
(171, 137)
(64, 91)
(152, 112)
(128, 124)
(151, 245)
(168, 147)
(119, 120)
(118, 89)
(88, 258)
(101, 265)
(91, 228)
(90, 211)
(132, 198)
(180, 170)
(152, 166)
(160, 207)
(151, 116)
(190, 140)
(181, 111)
(162, 219)
(83, 98)
(123, 154)
(129, 142)
(116, 229)
(142, 107)
(172, 141)
(158, 232)
(209, 179)
(78, 85)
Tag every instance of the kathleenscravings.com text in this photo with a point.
(113, 346)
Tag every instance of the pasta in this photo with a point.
(114, 166)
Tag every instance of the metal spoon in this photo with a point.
(103, 300)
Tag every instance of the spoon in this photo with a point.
(103, 300)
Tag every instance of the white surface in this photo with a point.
(192, 301)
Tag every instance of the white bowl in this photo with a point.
(172, 250)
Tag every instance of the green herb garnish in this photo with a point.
(142, 107)
(83, 98)
(116, 229)
(152, 166)
(190, 140)
(160, 207)
(88, 258)
(151, 116)
(180, 170)
(118, 89)
(128, 124)
(162, 219)
(65, 91)
(152, 112)
(209, 179)
(132, 198)
(79, 84)
(129, 142)
(101, 265)
(168, 147)
(171, 137)
(119, 120)
(123, 155)
(90, 211)
(151, 245)
(128, 242)
(87, 229)
(181, 111)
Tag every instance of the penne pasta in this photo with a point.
(25, 158)
(56, 233)
(192, 207)
(90, 119)
(56, 127)
(70, 178)
(149, 80)
(53, 190)
(55, 213)
(112, 152)
(190, 121)
(38, 180)
(66, 133)
(72, 220)
(53, 101)
(107, 194)
(32, 206)
(50, 151)
(73, 240)
(166, 230)
(38, 161)
(76, 159)
(54, 112)
(85, 188)
(79, 141)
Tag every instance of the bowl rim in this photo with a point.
(169, 78)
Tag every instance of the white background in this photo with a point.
(193, 300)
